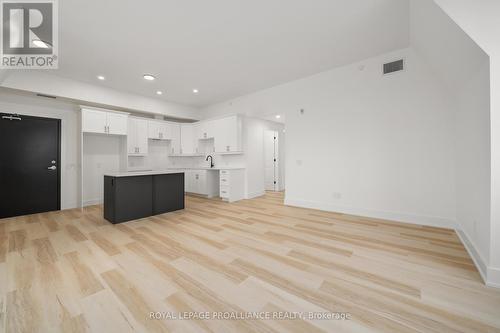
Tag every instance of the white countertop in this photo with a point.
(142, 173)
(166, 171)
(216, 168)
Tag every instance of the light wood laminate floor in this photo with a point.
(73, 271)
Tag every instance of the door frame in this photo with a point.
(276, 162)
(58, 121)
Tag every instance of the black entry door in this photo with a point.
(29, 164)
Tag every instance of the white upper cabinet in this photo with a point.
(97, 121)
(221, 135)
(175, 138)
(94, 121)
(187, 139)
(227, 135)
(117, 123)
(158, 130)
(206, 129)
(137, 139)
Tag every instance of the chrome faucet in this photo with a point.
(211, 161)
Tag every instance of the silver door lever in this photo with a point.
(52, 167)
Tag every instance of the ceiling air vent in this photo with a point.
(395, 66)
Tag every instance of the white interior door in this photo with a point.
(271, 160)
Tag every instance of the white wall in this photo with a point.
(26, 105)
(366, 144)
(464, 68)
(473, 165)
(101, 154)
(479, 19)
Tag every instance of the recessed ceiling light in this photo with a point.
(41, 44)
(148, 77)
(278, 116)
(195, 91)
(100, 77)
(159, 92)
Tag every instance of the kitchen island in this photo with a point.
(134, 195)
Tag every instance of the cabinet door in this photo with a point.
(132, 137)
(194, 186)
(232, 134)
(163, 131)
(187, 139)
(94, 121)
(153, 129)
(202, 182)
(196, 137)
(200, 130)
(117, 123)
(189, 181)
(205, 129)
(175, 138)
(142, 136)
(220, 128)
(137, 140)
(168, 193)
(209, 129)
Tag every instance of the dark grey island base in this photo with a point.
(134, 195)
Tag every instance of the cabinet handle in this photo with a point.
(108, 129)
(227, 148)
(105, 129)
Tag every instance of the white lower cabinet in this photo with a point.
(232, 184)
(203, 182)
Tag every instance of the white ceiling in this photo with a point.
(224, 48)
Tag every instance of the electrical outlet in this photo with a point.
(337, 195)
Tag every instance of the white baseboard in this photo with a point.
(478, 260)
(69, 206)
(490, 275)
(493, 277)
(91, 202)
(432, 221)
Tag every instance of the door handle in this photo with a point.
(52, 167)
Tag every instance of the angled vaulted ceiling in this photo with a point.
(225, 48)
